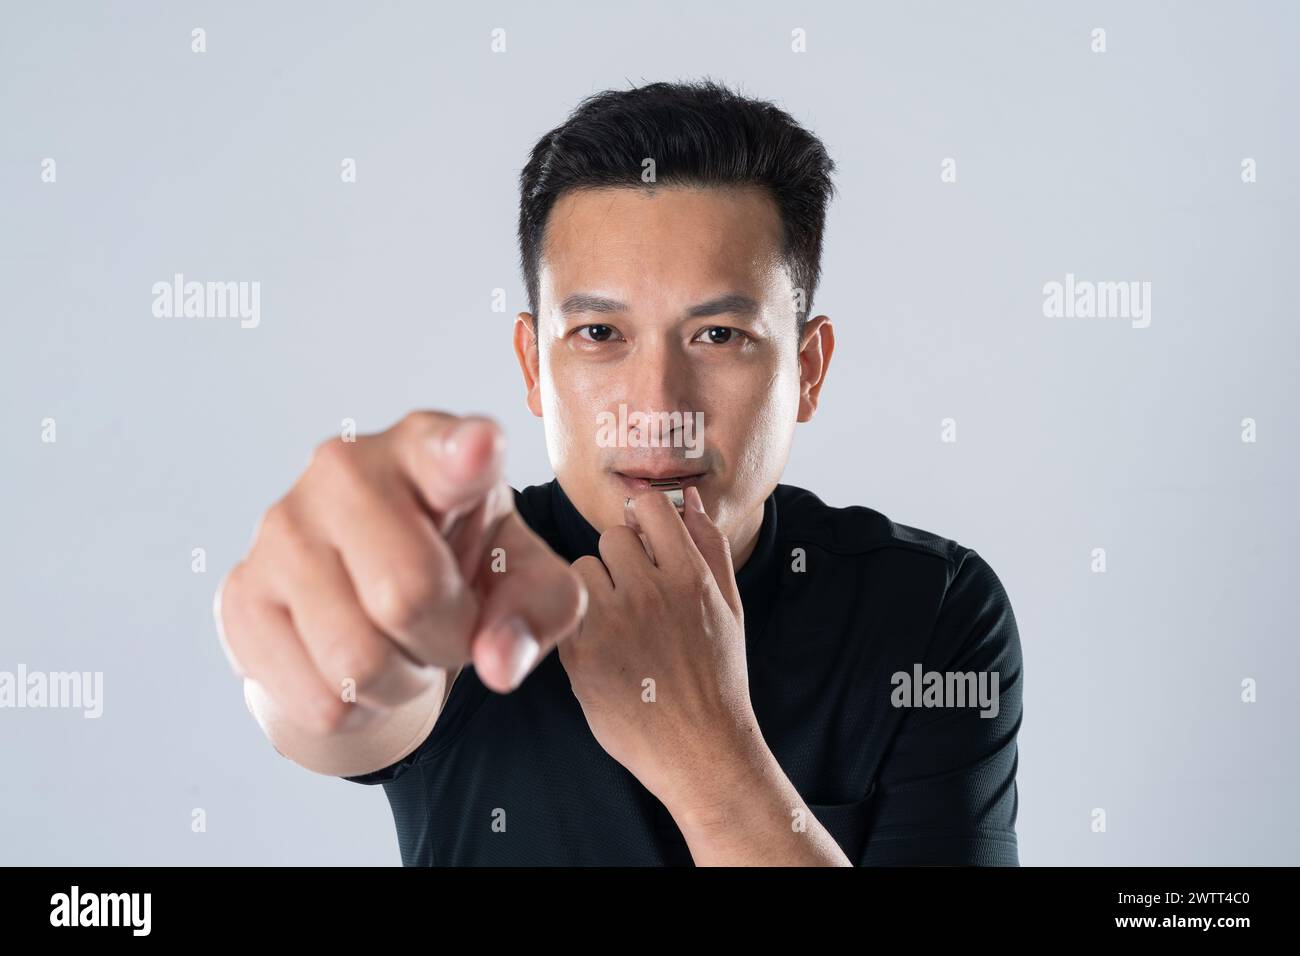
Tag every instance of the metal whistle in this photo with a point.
(670, 487)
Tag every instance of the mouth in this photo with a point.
(660, 481)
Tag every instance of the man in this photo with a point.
(582, 673)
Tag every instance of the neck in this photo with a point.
(745, 538)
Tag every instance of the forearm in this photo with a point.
(756, 818)
(384, 739)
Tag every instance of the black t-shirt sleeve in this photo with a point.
(467, 693)
(946, 794)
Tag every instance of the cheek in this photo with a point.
(768, 433)
(569, 407)
(761, 408)
(765, 433)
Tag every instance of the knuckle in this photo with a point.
(336, 461)
(361, 662)
(420, 419)
(500, 501)
(611, 537)
(571, 596)
(400, 600)
(232, 592)
(587, 564)
(421, 424)
(325, 714)
(493, 428)
(278, 523)
(228, 607)
(619, 543)
(700, 594)
(285, 538)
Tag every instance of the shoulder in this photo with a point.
(960, 589)
(534, 505)
(533, 497)
(857, 529)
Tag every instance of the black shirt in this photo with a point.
(838, 601)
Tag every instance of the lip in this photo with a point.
(642, 481)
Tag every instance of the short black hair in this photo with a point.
(699, 134)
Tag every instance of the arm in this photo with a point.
(383, 740)
(675, 622)
(946, 792)
(369, 586)
(770, 825)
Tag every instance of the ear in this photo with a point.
(526, 353)
(814, 361)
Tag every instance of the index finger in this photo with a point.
(534, 602)
(452, 462)
(670, 541)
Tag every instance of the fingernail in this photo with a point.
(697, 503)
(514, 645)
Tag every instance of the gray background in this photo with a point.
(1072, 434)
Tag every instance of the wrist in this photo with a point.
(732, 782)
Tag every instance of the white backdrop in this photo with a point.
(1072, 434)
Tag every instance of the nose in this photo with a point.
(660, 379)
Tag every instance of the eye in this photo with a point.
(718, 334)
(595, 333)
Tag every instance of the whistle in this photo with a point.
(672, 488)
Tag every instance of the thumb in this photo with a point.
(713, 546)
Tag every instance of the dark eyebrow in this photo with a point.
(582, 302)
(733, 303)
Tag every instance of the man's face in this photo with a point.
(668, 301)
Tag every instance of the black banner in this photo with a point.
(362, 905)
